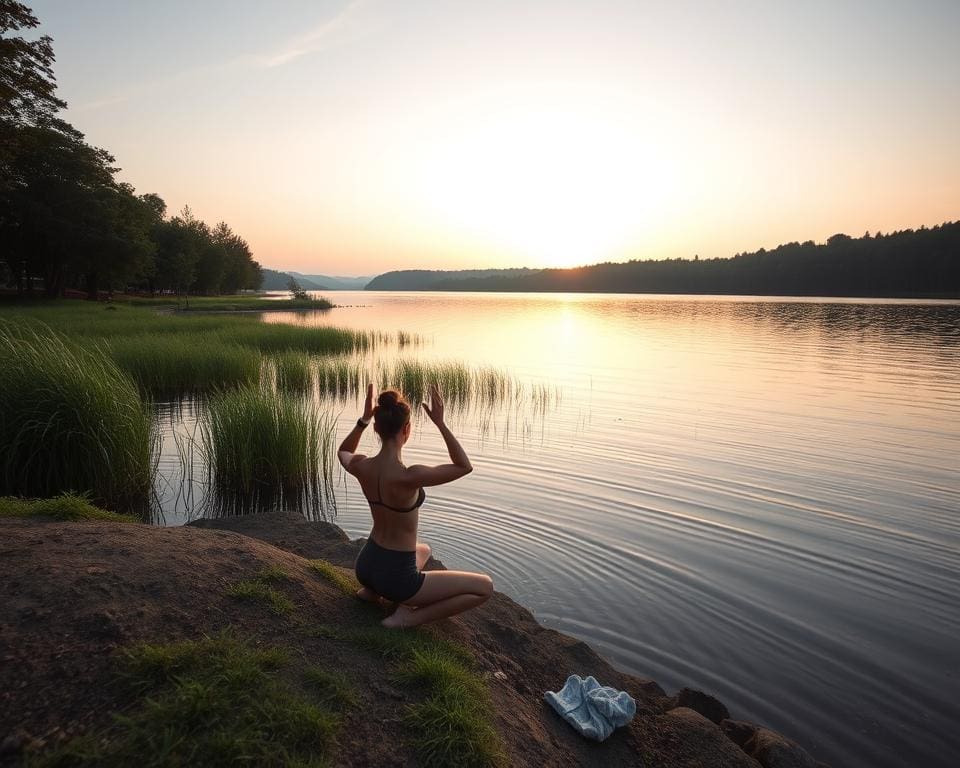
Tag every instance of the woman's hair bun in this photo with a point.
(388, 398)
(391, 414)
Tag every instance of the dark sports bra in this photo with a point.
(421, 497)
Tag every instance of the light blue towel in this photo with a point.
(593, 709)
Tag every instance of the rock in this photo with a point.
(772, 750)
(711, 708)
(104, 624)
(16, 742)
(738, 731)
(698, 741)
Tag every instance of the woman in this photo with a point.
(389, 565)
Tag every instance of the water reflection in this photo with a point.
(756, 497)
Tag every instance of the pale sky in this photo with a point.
(358, 137)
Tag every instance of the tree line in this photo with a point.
(909, 263)
(66, 221)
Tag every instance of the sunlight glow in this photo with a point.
(558, 186)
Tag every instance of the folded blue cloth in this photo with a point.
(593, 709)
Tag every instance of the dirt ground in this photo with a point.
(74, 593)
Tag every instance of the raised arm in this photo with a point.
(421, 474)
(347, 450)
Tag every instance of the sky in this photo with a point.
(352, 137)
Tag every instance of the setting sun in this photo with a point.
(554, 185)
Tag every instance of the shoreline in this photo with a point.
(139, 581)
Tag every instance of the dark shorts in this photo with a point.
(391, 573)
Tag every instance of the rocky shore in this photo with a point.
(74, 594)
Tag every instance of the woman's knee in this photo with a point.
(486, 586)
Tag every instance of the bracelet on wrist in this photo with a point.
(362, 424)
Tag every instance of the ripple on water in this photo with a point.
(760, 498)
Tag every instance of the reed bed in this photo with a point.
(111, 321)
(267, 450)
(293, 371)
(71, 421)
(459, 383)
(340, 376)
(182, 365)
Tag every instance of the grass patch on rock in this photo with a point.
(336, 576)
(66, 506)
(260, 589)
(452, 723)
(211, 702)
(332, 687)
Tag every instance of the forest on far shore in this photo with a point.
(921, 263)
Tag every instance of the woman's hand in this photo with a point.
(368, 404)
(435, 409)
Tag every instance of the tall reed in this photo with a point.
(184, 364)
(340, 376)
(293, 371)
(459, 383)
(267, 450)
(71, 421)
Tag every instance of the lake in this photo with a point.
(757, 497)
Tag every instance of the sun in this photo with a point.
(558, 187)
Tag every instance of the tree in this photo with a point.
(52, 203)
(27, 83)
(239, 270)
(116, 248)
(177, 252)
(297, 290)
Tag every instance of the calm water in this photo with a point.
(758, 498)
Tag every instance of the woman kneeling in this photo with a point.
(390, 565)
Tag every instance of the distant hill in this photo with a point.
(909, 263)
(278, 281)
(431, 279)
(336, 283)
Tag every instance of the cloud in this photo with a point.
(347, 24)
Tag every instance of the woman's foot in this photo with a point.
(368, 595)
(402, 617)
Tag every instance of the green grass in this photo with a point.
(66, 506)
(183, 364)
(71, 422)
(333, 687)
(213, 702)
(236, 303)
(259, 589)
(335, 576)
(273, 573)
(293, 371)
(96, 321)
(265, 450)
(452, 723)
